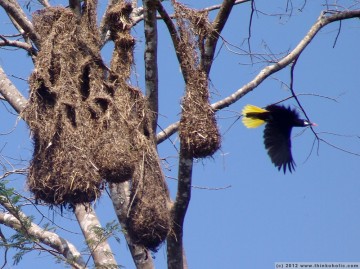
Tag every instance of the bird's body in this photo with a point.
(279, 122)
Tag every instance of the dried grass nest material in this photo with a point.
(198, 129)
(148, 222)
(61, 173)
(113, 157)
(78, 138)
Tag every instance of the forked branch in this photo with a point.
(13, 9)
(18, 221)
(323, 20)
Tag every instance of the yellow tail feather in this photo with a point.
(252, 122)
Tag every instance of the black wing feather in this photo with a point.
(278, 144)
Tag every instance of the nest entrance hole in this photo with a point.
(47, 97)
(85, 83)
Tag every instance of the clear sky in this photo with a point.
(243, 212)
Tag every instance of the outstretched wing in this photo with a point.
(278, 144)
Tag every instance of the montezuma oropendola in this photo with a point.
(279, 122)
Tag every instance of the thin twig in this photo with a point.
(322, 21)
(17, 44)
(15, 11)
(203, 187)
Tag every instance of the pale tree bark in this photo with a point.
(150, 59)
(14, 10)
(18, 221)
(99, 247)
(45, 3)
(10, 93)
(17, 44)
(120, 196)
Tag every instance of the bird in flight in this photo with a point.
(279, 122)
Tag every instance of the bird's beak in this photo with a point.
(308, 123)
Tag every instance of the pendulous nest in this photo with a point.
(198, 131)
(148, 221)
(77, 126)
(148, 216)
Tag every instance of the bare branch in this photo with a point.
(203, 187)
(14, 10)
(10, 93)
(45, 3)
(218, 24)
(17, 44)
(15, 220)
(178, 212)
(150, 59)
(322, 21)
(3, 239)
(215, 7)
(167, 132)
(336, 147)
(120, 196)
(173, 32)
(88, 221)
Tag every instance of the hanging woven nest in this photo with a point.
(79, 134)
(198, 129)
(149, 220)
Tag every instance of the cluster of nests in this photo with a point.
(89, 126)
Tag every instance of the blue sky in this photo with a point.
(249, 215)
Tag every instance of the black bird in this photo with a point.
(279, 122)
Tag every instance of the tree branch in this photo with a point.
(75, 6)
(100, 249)
(10, 93)
(173, 34)
(150, 59)
(322, 21)
(175, 250)
(215, 7)
(120, 196)
(23, 34)
(213, 37)
(17, 44)
(16, 219)
(14, 10)
(45, 3)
